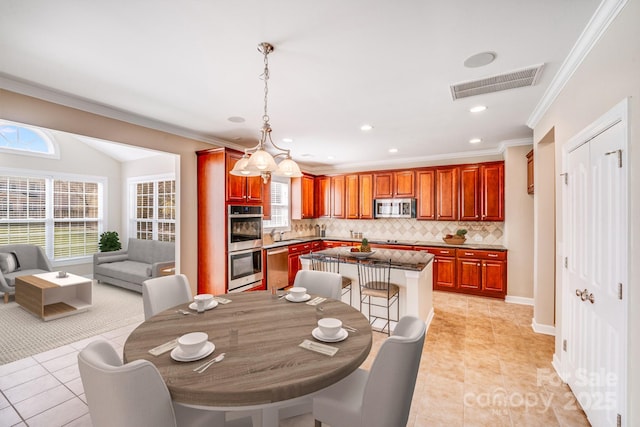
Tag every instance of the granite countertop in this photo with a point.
(439, 244)
(400, 259)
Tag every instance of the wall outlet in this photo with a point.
(477, 238)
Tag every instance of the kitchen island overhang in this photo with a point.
(412, 271)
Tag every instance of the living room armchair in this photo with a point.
(20, 260)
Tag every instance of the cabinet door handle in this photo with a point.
(493, 255)
(469, 253)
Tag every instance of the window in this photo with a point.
(280, 211)
(15, 139)
(60, 214)
(154, 209)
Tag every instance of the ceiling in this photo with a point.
(189, 66)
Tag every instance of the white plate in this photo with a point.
(306, 297)
(360, 254)
(342, 335)
(212, 304)
(178, 355)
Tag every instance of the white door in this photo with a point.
(596, 235)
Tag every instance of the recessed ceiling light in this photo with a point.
(236, 119)
(475, 140)
(478, 108)
(287, 139)
(393, 150)
(480, 59)
(331, 157)
(307, 155)
(366, 127)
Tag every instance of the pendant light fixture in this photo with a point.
(257, 161)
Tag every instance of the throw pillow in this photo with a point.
(9, 262)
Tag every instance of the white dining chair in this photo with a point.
(382, 396)
(134, 394)
(321, 283)
(161, 293)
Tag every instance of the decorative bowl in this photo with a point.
(454, 240)
(360, 254)
(192, 342)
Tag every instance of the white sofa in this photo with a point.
(128, 268)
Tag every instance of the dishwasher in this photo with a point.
(277, 268)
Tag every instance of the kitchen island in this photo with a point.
(412, 271)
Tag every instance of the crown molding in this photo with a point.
(597, 26)
(24, 87)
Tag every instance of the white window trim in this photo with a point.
(46, 136)
(49, 220)
(131, 197)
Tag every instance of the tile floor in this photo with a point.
(481, 366)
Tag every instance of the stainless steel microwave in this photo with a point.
(395, 208)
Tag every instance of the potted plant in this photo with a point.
(109, 241)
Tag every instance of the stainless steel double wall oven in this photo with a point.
(244, 247)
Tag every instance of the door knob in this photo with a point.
(584, 295)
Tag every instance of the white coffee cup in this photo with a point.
(202, 301)
(297, 292)
(192, 342)
(329, 327)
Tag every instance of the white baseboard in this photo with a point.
(519, 300)
(542, 329)
(429, 319)
(557, 365)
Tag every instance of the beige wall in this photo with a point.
(37, 112)
(609, 74)
(518, 226)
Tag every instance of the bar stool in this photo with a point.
(320, 262)
(375, 281)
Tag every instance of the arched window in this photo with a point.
(20, 139)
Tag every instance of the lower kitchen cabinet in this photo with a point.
(482, 272)
(444, 268)
(294, 257)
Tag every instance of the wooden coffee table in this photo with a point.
(50, 297)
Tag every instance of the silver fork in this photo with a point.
(200, 369)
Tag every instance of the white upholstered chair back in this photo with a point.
(322, 283)
(161, 293)
(132, 395)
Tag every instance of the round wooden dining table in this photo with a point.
(264, 366)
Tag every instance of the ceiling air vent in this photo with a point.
(512, 80)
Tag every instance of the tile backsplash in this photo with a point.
(489, 233)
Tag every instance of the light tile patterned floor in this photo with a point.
(481, 366)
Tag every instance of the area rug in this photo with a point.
(24, 334)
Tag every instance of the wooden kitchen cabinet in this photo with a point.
(359, 196)
(482, 272)
(470, 193)
(395, 184)
(482, 192)
(447, 194)
(426, 194)
(294, 257)
(242, 189)
(530, 172)
(323, 197)
(444, 268)
(492, 191)
(366, 195)
(302, 197)
(391, 246)
(338, 196)
(335, 244)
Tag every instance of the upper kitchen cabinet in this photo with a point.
(323, 197)
(398, 184)
(482, 192)
(242, 189)
(426, 194)
(470, 193)
(492, 191)
(530, 172)
(359, 196)
(338, 196)
(302, 197)
(447, 193)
